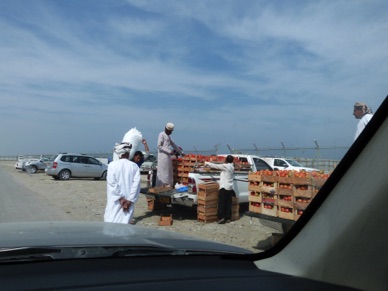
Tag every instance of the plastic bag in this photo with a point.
(134, 137)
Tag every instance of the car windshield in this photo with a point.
(187, 83)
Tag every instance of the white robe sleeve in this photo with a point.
(162, 144)
(135, 189)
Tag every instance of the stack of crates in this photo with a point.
(235, 209)
(183, 167)
(284, 194)
(175, 166)
(303, 192)
(207, 202)
(254, 188)
(269, 195)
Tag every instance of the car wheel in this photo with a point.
(103, 176)
(64, 175)
(33, 169)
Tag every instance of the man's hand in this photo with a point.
(125, 204)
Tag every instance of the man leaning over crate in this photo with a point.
(226, 191)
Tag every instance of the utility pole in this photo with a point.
(318, 149)
(284, 149)
(257, 149)
(230, 149)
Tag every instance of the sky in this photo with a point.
(75, 76)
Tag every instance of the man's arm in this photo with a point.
(146, 149)
(216, 166)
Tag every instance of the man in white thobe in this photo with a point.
(123, 187)
(364, 113)
(165, 152)
(226, 192)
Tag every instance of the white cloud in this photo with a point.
(240, 72)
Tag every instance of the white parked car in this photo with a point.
(286, 164)
(35, 165)
(20, 161)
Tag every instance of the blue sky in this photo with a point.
(77, 75)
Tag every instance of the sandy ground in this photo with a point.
(85, 199)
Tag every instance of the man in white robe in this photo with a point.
(226, 192)
(165, 152)
(123, 187)
(364, 114)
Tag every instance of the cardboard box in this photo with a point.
(254, 197)
(287, 215)
(273, 178)
(209, 186)
(206, 218)
(267, 211)
(284, 188)
(253, 186)
(206, 197)
(286, 201)
(255, 207)
(285, 180)
(165, 220)
(254, 176)
(269, 187)
(303, 191)
(160, 189)
(202, 209)
(302, 180)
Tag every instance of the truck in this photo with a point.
(201, 175)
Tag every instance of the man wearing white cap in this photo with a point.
(123, 186)
(166, 148)
(364, 113)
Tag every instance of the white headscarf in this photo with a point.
(122, 148)
(363, 107)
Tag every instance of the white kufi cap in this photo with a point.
(170, 126)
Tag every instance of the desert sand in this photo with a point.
(85, 199)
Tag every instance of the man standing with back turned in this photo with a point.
(123, 187)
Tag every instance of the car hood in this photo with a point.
(90, 234)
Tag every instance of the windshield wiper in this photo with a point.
(160, 251)
(27, 254)
(67, 252)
